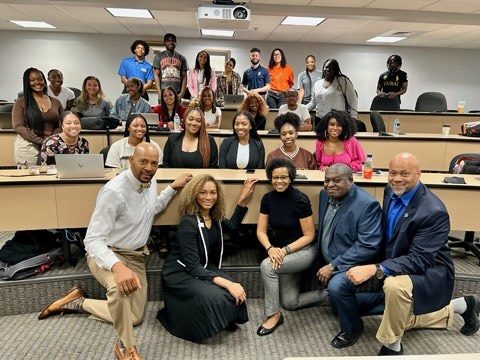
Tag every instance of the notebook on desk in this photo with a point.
(78, 166)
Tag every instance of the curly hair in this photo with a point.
(349, 127)
(287, 118)
(262, 105)
(187, 204)
(140, 42)
(130, 119)
(82, 100)
(253, 125)
(280, 163)
(203, 138)
(33, 115)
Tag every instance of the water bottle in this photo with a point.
(368, 167)
(176, 122)
(396, 127)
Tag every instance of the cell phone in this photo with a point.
(250, 171)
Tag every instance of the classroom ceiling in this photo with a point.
(432, 23)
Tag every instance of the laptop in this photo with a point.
(152, 120)
(6, 120)
(233, 100)
(78, 166)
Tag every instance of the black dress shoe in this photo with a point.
(343, 339)
(384, 351)
(264, 331)
(470, 316)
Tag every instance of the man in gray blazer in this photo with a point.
(349, 234)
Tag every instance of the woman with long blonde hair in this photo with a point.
(92, 100)
(200, 299)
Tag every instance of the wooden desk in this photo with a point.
(38, 202)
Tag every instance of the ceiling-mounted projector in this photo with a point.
(225, 16)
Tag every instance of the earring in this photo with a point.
(326, 135)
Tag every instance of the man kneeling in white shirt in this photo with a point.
(116, 248)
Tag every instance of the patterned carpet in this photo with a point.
(304, 333)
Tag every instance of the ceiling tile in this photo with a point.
(461, 6)
(400, 5)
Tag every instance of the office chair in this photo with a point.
(377, 122)
(431, 102)
(468, 241)
(104, 152)
(6, 108)
(76, 91)
(385, 103)
(361, 127)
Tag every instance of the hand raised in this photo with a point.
(181, 181)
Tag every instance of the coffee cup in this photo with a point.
(446, 130)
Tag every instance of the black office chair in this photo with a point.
(474, 111)
(76, 91)
(6, 108)
(104, 152)
(468, 241)
(431, 102)
(385, 103)
(377, 122)
(361, 127)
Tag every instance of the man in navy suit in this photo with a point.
(350, 234)
(418, 271)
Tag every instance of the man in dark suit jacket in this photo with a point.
(418, 271)
(350, 234)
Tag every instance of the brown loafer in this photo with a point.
(61, 305)
(126, 354)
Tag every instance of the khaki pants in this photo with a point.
(398, 316)
(25, 151)
(123, 311)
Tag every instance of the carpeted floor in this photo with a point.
(304, 333)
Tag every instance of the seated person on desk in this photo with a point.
(335, 142)
(417, 269)
(35, 116)
(116, 249)
(169, 107)
(136, 132)
(349, 234)
(255, 105)
(293, 106)
(67, 142)
(131, 103)
(288, 213)
(63, 94)
(243, 150)
(92, 101)
(288, 125)
(213, 114)
(228, 82)
(192, 147)
(200, 299)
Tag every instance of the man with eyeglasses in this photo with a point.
(417, 271)
(292, 105)
(349, 234)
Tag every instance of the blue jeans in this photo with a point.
(350, 305)
(275, 99)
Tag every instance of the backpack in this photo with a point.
(32, 266)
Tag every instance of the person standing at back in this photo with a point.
(136, 66)
(281, 78)
(57, 91)
(256, 79)
(170, 68)
(306, 80)
(393, 82)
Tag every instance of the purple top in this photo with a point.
(352, 155)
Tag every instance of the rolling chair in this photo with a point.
(468, 241)
(377, 122)
(385, 103)
(76, 91)
(6, 108)
(431, 102)
(361, 127)
(104, 152)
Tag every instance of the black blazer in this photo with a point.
(172, 153)
(419, 249)
(229, 149)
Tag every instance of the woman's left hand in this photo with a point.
(247, 191)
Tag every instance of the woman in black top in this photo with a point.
(193, 147)
(256, 106)
(243, 150)
(200, 299)
(288, 214)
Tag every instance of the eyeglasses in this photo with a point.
(283, 178)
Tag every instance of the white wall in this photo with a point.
(454, 72)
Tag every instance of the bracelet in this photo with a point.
(268, 248)
(288, 250)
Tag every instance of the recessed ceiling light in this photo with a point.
(303, 21)
(33, 24)
(131, 13)
(386, 39)
(212, 32)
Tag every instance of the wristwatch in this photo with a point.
(331, 266)
(379, 274)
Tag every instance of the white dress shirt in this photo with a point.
(123, 217)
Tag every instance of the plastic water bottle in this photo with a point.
(396, 127)
(368, 167)
(176, 122)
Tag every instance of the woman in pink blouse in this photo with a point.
(335, 142)
(201, 75)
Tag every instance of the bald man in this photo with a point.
(417, 271)
(116, 248)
